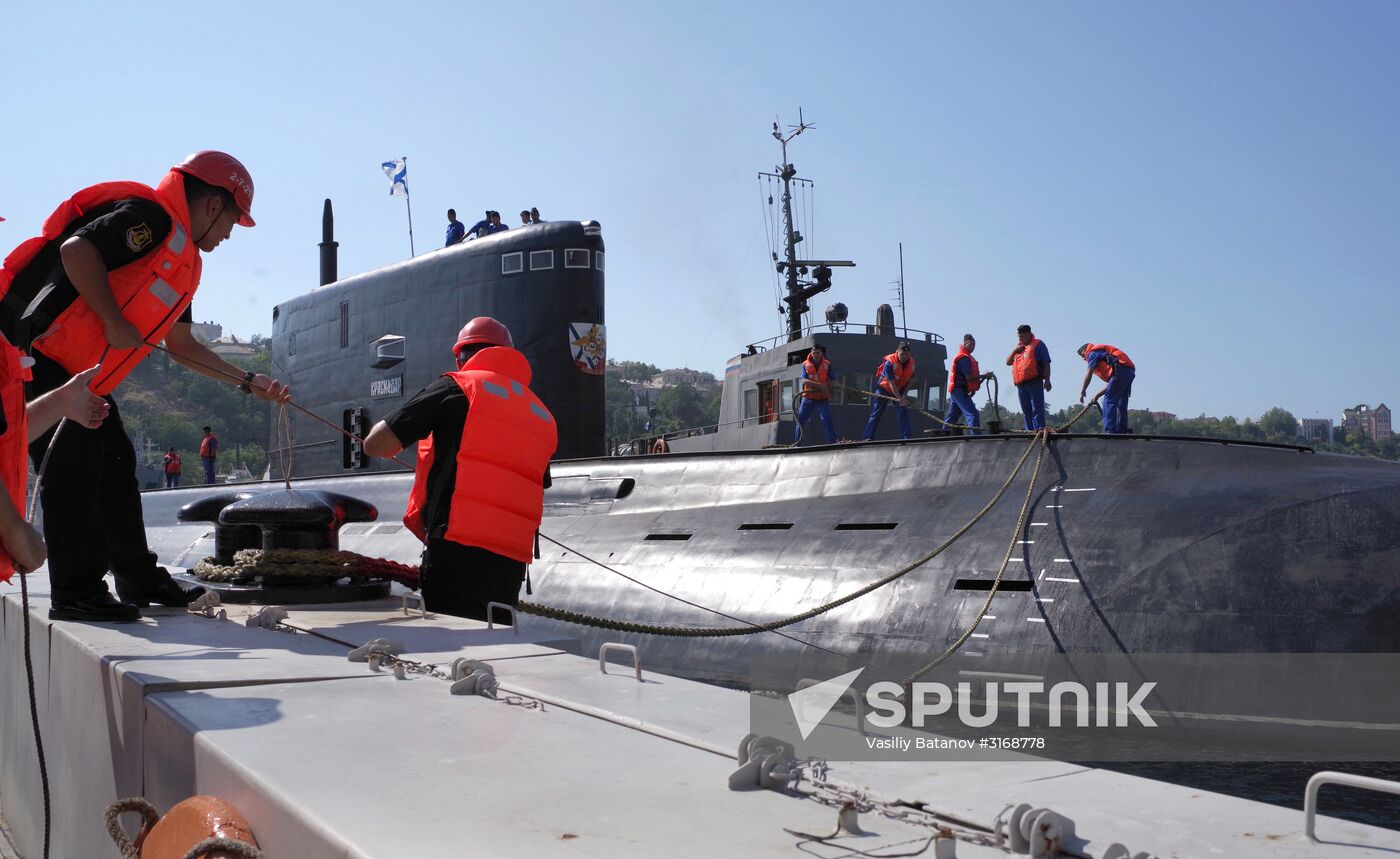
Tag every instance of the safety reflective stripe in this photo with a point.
(540, 411)
(177, 239)
(495, 389)
(164, 292)
(517, 388)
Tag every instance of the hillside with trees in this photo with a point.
(168, 404)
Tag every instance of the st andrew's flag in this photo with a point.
(397, 171)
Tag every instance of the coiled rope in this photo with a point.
(328, 564)
(149, 817)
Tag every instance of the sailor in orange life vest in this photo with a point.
(816, 381)
(484, 444)
(1115, 367)
(111, 275)
(21, 547)
(892, 379)
(1030, 370)
(964, 380)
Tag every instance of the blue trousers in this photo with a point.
(960, 403)
(172, 481)
(823, 410)
(1032, 396)
(1115, 400)
(877, 408)
(208, 468)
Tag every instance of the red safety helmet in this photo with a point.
(222, 170)
(483, 329)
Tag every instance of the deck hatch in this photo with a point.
(866, 526)
(986, 585)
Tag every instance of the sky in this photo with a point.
(1213, 188)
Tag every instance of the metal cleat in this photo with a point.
(479, 682)
(268, 617)
(945, 846)
(463, 667)
(764, 763)
(848, 819)
(379, 646)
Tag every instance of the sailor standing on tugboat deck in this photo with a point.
(485, 441)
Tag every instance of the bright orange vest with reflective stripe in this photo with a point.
(1024, 368)
(974, 384)
(1102, 369)
(151, 292)
(14, 442)
(902, 375)
(508, 438)
(819, 374)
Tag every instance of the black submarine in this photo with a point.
(1128, 544)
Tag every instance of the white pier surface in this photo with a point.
(327, 758)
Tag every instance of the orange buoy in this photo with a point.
(188, 824)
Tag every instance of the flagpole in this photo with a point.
(407, 201)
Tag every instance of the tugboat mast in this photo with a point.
(798, 290)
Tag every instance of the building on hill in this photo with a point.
(1162, 416)
(1315, 429)
(698, 378)
(207, 331)
(1373, 423)
(230, 348)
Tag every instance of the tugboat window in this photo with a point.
(513, 263)
(541, 259)
(915, 394)
(576, 258)
(751, 403)
(598, 260)
(785, 400)
(860, 388)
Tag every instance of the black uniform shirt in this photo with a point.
(440, 410)
(123, 231)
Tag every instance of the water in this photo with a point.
(1280, 784)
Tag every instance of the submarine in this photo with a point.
(1000, 546)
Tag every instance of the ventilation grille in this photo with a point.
(866, 526)
(681, 537)
(345, 325)
(765, 526)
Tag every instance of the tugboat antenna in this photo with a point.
(793, 268)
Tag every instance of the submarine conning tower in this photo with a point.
(356, 349)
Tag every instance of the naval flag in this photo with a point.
(397, 171)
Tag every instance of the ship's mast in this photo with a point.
(798, 290)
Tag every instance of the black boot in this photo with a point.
(98, 608)
(168, 593)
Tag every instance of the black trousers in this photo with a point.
(460, 580)
(91, 501)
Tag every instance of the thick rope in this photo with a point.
(327, 564)
(225, 845)
(149, 816)
(751, 628)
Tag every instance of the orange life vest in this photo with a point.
(1103, 369)
(1024, 368)
(14, 442)
(508, 438)
(151, 292)
(902, 374)
(209, 447)
(817, 374)
(974, 384)
(172, 463)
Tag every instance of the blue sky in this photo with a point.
(1214, 188)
